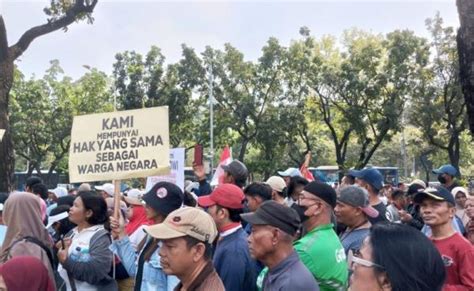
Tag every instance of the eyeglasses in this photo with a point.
(353, 258)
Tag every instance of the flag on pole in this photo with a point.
(226, 158)
(304, 168)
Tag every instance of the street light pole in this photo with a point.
(211, 116)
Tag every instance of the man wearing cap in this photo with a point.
(278, 186)
(231, 258)
(187, 235)
(352, 209)
(372, 181)
(271, 242)
(106, 190)
(288, 173)
(235, 173)
(446, 174)
(437, 209)
(411, 215)
(320, 249)
(142, 262)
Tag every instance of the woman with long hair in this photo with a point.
(396, 257)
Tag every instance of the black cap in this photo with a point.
(437, 193)
(237, 169)
(33, 180)
(164, 197)
(414, 189)
(274, 214)
(322, 191)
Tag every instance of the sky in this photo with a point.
(137, 25)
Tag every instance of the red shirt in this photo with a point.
(458, 257)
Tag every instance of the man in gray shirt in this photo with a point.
(274, 227)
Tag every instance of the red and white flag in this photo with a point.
(226, 158)
(304, 168)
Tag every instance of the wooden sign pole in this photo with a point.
(117, 199)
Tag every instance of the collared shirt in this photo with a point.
(230, 231)
(290, 274)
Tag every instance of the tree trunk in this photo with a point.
(243, 149)
(7, 161)
(454, 152)
(465, 41)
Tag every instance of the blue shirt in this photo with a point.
(352, 240)
(290, 274)
(233, 263)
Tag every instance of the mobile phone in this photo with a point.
(62, 241)
(198, 155)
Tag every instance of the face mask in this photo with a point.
(441, 179)
(300, 210)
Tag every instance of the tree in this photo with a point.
(145, 82)
(61, 14)
(360, 92)
(465, 45)
(439, 108)
(43, 111)
(243, 91)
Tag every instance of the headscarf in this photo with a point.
(26, 274)
(22, 216)
(138, 219)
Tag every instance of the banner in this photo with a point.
(2, 132)
(119, 145)
(176, 176)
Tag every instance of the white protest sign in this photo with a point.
(119, 145)
(2, 132)
(176, 175)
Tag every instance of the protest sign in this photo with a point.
(176, 176)
(119, 145)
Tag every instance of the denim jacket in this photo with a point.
(153, 276)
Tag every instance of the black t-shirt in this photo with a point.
(382, 213)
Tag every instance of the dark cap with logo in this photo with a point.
(164, 197)
(237, 169)
(436, 193)
(322, 191)
(274, 214)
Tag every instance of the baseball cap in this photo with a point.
(237, 169)
(290, 172)
(418, 182)
(107, 188)
(134, 197)
(323, 191)
(225, 195)
(164, 197)
(190, 221)
(276, 183)
(436, 193)
(356, 196)
(446, 169)
(55, 218)
(370, 175)
(274, 214)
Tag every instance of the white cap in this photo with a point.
(107, 188)
(290, 172)
(59, 191)
(56, 218)
(134, 196)
(276, 183)
(418, 182)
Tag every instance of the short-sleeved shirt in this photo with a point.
(353, 239)
(290, 274)
(380, 207)
(458, 257)
(323, 254)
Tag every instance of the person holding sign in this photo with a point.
(144, 263)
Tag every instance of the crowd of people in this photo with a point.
(285, 233)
